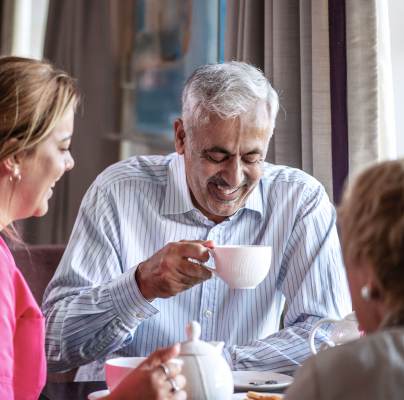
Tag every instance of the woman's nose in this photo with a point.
(69, 162)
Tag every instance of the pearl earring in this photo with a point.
(365, 293)
(15, 175)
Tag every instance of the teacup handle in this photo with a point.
(314, 330)
(213, 270)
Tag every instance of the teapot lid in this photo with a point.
(195, 346)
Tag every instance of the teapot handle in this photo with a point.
(314, 330)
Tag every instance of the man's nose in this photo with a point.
(234, 174)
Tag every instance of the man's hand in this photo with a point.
(170, 270)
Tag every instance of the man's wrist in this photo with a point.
(141, 283)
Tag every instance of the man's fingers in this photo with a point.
(193, 249)
(195, 271)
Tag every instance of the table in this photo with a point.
(76, 390)
(70, 390)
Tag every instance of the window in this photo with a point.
(171, 38)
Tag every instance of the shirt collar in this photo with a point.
(254, 200)
(178, 200)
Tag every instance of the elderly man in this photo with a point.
(133, 276)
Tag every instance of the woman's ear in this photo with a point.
(12, 164)
(372, 289)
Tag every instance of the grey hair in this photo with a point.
(229, 90)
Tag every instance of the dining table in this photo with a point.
(76, 390)
(70, 390)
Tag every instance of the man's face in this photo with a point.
(223, 163)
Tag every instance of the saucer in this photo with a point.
(242, 380)
(243, 396)
(99, 394)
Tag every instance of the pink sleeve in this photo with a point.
(7, 327)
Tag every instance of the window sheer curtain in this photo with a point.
(316, 54)
(369, 81)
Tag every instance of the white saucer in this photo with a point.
(243, 396)
(242, 380)
(99, 394)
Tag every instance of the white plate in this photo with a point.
(243, 396)
(242, 380)
(99, 394)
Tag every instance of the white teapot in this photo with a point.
(343, 331)
(207, 373)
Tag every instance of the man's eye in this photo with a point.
(216, 157)
(252, 158)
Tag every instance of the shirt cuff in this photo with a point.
(228, 357)
(132, 307)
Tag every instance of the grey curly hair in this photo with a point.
(229, 90)
(371, 219)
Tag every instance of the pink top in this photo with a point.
(22, 329)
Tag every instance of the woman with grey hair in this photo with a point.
(371, 218)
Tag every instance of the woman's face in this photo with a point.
(41, 169)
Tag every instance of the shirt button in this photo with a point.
(208, 313)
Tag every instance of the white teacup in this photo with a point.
(117, 368)
(242, 266)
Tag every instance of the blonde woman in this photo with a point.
(37, 104)
(371, 219)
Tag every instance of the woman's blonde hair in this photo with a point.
(34, 96)
(371, 219)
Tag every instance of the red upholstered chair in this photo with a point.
(38, 264)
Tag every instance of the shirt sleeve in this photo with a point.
(7, 328)
(313, 281)
(92, 306)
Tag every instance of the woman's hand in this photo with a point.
(155, 379)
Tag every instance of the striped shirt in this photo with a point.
(93, 305)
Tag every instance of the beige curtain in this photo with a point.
(6, 26)
(288, 40)
(82, 37)
(370, 89)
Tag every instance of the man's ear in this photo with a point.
(179, 136)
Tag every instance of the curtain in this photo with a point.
(82, 38)
(334, 108)
(370, 89)
(6, 26)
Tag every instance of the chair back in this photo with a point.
(38, 264)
